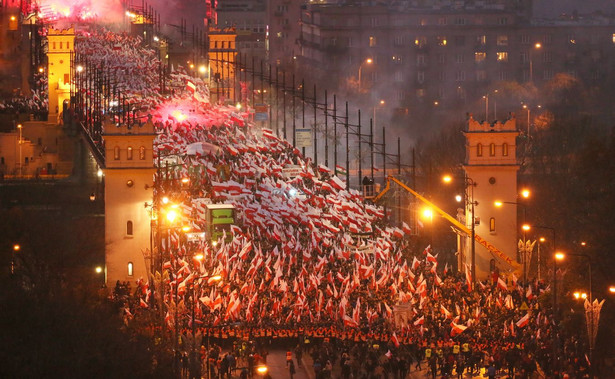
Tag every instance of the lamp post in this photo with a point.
(208, 278)
(528, 109)
(20, 127)
(535, 47)
(16, 249)
(556, 257)
(469, 201)
(591, 318)
(381, 102)
(368, 61)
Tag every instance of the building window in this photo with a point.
(398, 40)
(613, 38)
(129, 231)
(420, 41)
(420, 60)
(142, 153)
(348, 41)
(460, 76)
(374, 21)
(505, 149)
(492, 149)
(525, 57)
(459, 58)
(420, 93)
(397, 59)
(479, 56)
(502, 56)
(460, 40)
(442, 58)
(441, 40)
(481, 75)
(479, 150)
(503, 21)
(460, 21)
(547, 57)
(116, 153)
(481, 40)
(129, 153)
(420, 77)
(399, 76)
(442, 21)
(525, 39)
(372, 41)
(492, 224)
(130, 269)
(502, 41)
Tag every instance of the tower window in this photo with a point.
(505, 149)
(479, 150)
(142, 153)
(129, 153)
(130, 269)
(492, 149)
(116, 153)
(492, 224)
(129, 228)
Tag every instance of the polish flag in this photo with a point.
(143, 304)
(523, 321)
(468, 278)
(395, 340)
(419, 321)
(190, 87)
(457, 329)
(406, 228)
(502, 284)
(445, 311)
(415, 263)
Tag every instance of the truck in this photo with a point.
(218, 221)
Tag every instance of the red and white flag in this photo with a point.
(419, 321)
(523, 321)
(395, 340)
(457, 329)
(502, 284)
(190, 87)
(468, 279)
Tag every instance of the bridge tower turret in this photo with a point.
(129, 176)
(61, 44)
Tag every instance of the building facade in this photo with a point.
(491, 171)
(129, 177)
(450, 53)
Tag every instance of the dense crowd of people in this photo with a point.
(307, 259)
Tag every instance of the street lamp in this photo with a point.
(380, 103)
(16, 249)
(591, 317)
(469, 201)
(556, 257)
(536, 46)
(367, 61)
(528, 109)
(20, 127)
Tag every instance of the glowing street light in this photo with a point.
(580, 295)
(367, 61)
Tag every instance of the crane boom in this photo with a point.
(448, 217)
